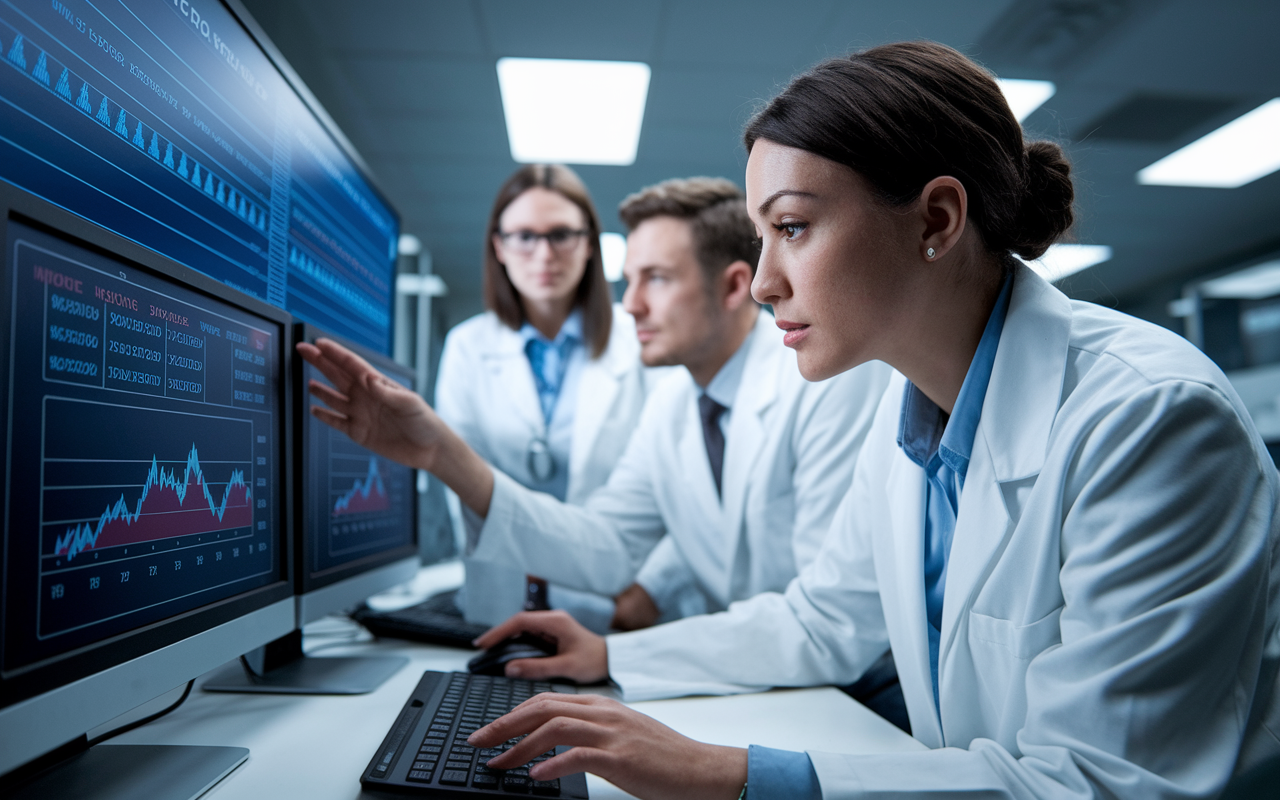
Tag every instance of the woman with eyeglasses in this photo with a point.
(547, 384)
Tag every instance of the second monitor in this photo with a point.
(355, 534)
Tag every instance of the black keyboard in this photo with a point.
(427, 753)
(434, 621)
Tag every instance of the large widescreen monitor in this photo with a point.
(168, 123)
(145, 441)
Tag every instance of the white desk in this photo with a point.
(318, 746)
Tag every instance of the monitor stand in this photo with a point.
(131, 771)
(282, 668)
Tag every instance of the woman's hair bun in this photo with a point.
(1045, 212)
(902, 114)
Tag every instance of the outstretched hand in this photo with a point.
(580, 654)
(394, 422)
(373, 410)
(630, 750)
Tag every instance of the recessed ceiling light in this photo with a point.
(613, 251)
(409, 245)
(1024, 96)
(1239, 152)
(1251, 283)
(1062, 260)
(573, 112)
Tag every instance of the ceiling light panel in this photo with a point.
(1025, 96)
(613, 252)
(1239, 152)
(1062, 260)
(1252, 283)
(573, 112)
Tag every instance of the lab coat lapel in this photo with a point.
(506, 361)
(904, 603)
(1010, 442)
(598, 387)
(748, 429)
(695, 470)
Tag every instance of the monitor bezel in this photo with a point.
(32, 680)
(307, 580)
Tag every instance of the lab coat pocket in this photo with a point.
(1000, 652)
(1023, 642)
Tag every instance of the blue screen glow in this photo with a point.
(164, 122)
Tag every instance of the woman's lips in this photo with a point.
(793, 332)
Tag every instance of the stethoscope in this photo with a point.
(539, 460)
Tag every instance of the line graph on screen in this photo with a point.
(367, 494)
(117, 476)
(167, 507)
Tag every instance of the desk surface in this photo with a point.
(318, 746)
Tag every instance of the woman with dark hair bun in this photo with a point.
(1063, 521)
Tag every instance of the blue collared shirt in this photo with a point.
(557, 367)
(549, 358)
(942, 447)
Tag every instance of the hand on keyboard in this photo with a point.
(634, 752)
(580, 654)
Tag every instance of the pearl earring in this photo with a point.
(929, 253)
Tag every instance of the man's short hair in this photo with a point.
(716, 211)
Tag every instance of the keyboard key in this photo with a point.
(547, 788)
(484, 781)
(418, 776)
(458, 765)
(424, 765)
(454, 777)
(427, 748)
(515, 783)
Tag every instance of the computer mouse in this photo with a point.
(494, 660)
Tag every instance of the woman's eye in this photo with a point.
(790, 230)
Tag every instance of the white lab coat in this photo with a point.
(789, 455)
(1110, 615)
(485, 391)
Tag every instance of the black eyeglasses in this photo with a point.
(561, 240)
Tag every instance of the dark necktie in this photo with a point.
(709, 410)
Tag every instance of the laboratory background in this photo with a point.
(1121, 84)
(209, 589)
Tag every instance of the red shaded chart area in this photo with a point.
(168, 507)
(365, 495)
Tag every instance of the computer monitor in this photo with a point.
(356, 534)
(179, 126)
(145, 439)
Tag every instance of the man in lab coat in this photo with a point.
(732, 476)
(734, 472)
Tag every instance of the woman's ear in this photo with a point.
(944, 209)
